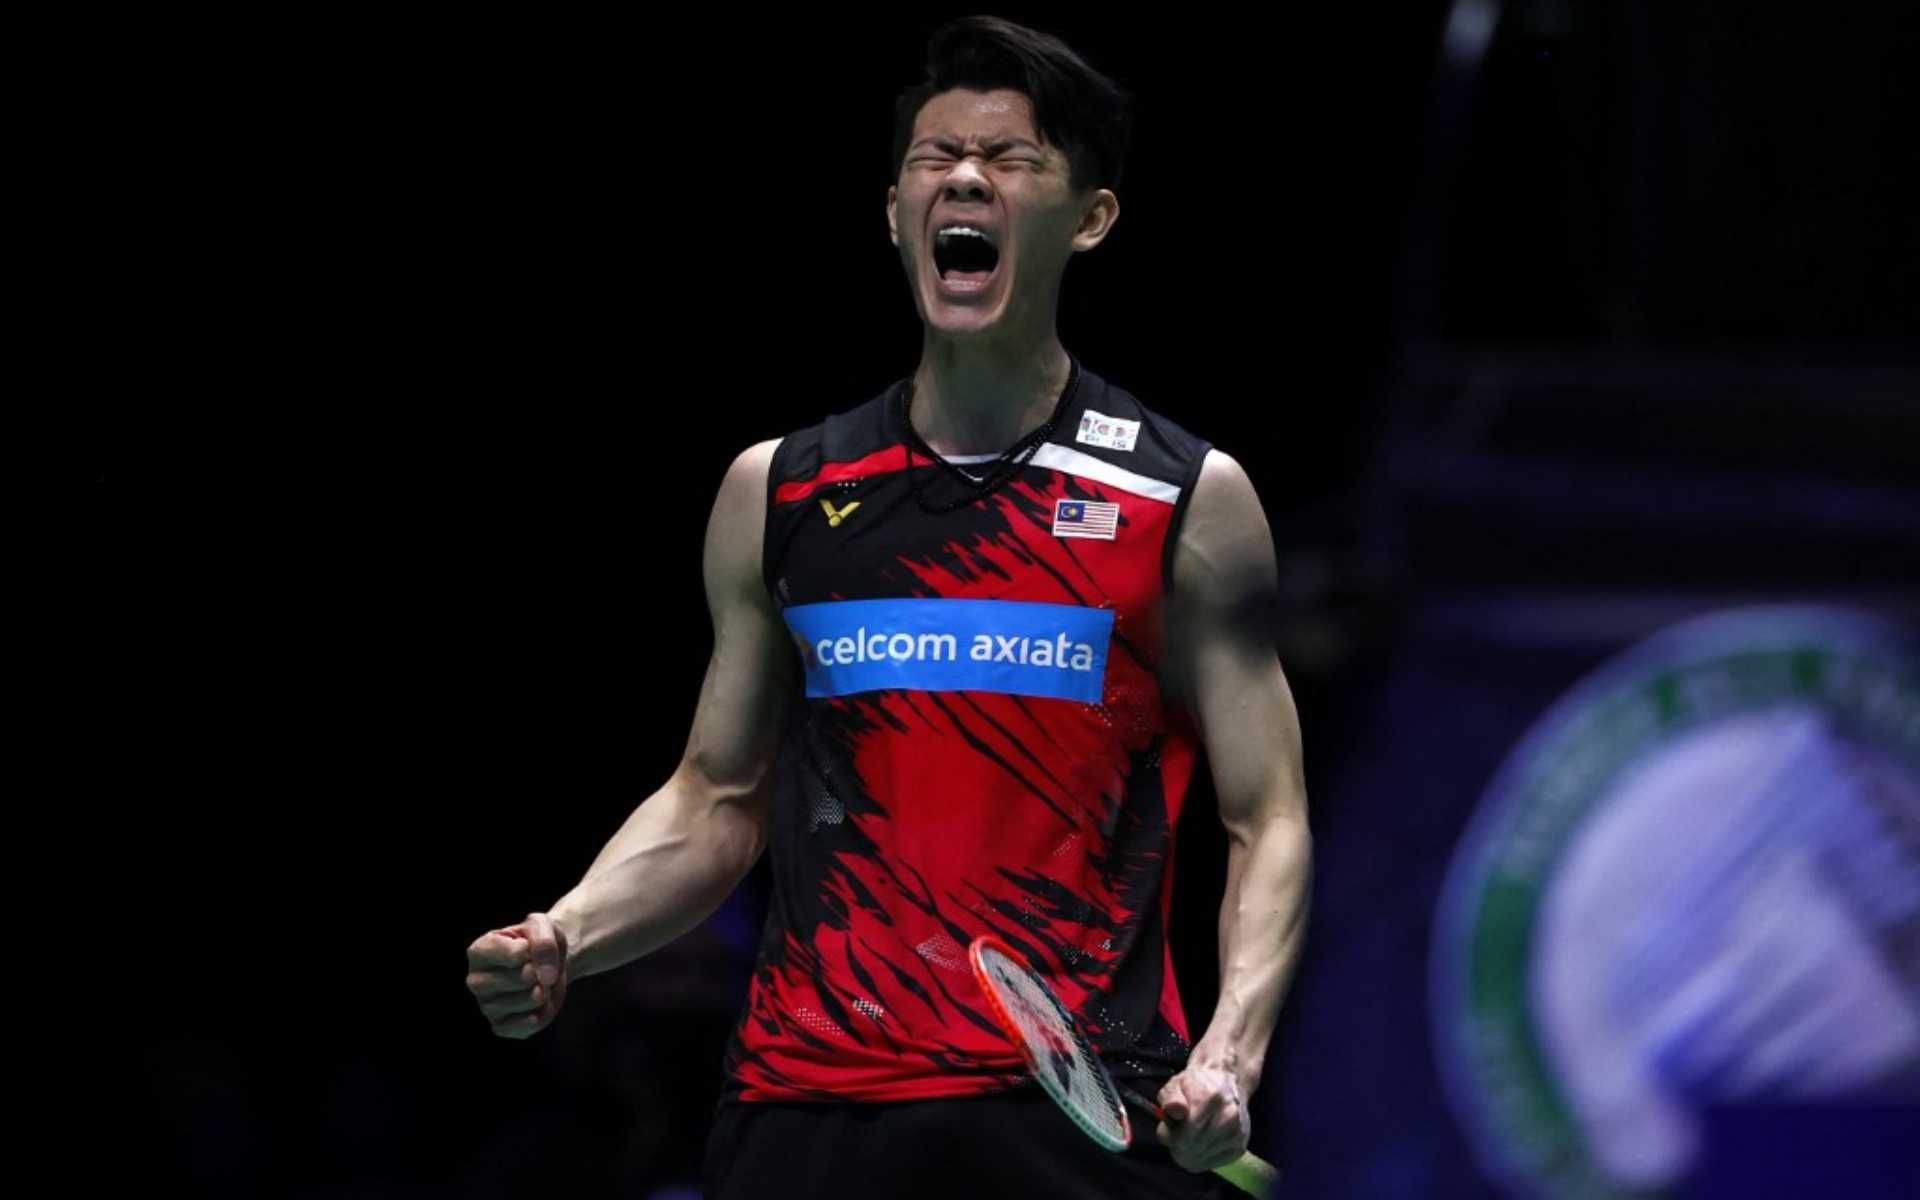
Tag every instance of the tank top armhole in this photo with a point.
(769, 569)
(1188, 482)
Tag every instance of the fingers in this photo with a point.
(504, 989)
(1172, 1130)
(518, 1012)
(504, 979)
(1201, 1149)
(520, 1027)
(500, 948)
(545, 946)
(1173, 1099)
(515, 975)
(509, 1004)
(1206, 1123)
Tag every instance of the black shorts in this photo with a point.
(1004, 1146)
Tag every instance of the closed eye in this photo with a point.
(942, 163)
(946, 152)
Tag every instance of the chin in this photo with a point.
(970, 317)
(962, 322)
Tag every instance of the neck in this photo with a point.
(979, 397)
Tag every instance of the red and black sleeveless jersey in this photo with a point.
(983, 747)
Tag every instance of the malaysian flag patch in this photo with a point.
(1085, 519)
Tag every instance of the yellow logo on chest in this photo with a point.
(835, 516)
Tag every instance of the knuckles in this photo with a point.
(483, 982)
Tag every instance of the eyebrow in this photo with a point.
(998, 142)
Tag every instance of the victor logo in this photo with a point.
(837, 515)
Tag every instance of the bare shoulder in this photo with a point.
(739, 509)
(1225, 542)
(749, 470)
(758, 457)
(737, 527)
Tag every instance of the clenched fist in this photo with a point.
(519, 975)
(1206, 1122)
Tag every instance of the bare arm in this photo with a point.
(686, 847)
(1225, 583)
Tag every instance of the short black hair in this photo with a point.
(1087, 115)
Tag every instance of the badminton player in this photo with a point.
(971, 638)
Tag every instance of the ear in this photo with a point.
(893, 228)
(1103, 209)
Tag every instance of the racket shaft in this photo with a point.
(1140, 1102)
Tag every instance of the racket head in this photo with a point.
(1057, 1053)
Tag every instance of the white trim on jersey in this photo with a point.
(970, 458)
(1069, 461)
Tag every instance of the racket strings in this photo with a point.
(1063, 1060)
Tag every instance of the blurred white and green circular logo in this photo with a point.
(1695, 881)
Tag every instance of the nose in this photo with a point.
(966, 181)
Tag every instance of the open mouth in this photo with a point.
(964, 257)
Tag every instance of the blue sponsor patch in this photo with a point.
(1012, 646)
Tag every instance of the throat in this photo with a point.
(993, 418)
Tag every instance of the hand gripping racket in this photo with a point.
(1060, 1057)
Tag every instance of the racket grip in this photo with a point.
(1251, 1174)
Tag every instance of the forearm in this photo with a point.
(1262, 924)
(669, 866)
